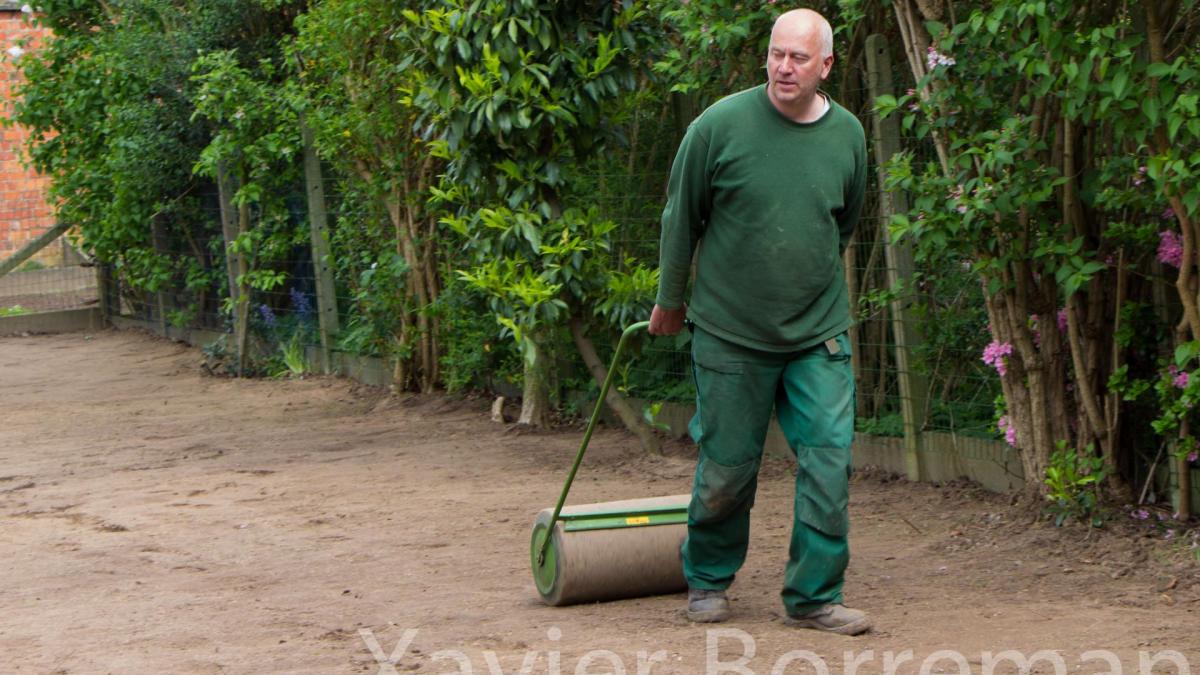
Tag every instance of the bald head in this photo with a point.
(800, 22)
(798, 60)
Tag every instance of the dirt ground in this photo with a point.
(157, 520)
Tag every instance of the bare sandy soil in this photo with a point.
(156, 520)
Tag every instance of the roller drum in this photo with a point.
(608, 564)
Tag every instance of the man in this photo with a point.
(769, 182)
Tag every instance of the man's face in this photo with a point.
(794, 64)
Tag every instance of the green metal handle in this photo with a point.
(587, 435)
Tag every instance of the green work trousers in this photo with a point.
(812, 392)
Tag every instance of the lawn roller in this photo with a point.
(608, 550)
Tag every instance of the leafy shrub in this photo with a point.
(475, 357)
(1073, 483)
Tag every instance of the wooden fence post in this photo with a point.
(103, 292)
(318, 221)
(914, 386)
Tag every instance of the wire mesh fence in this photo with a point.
(59, 278)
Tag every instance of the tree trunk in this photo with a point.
(615, 401)
(535, 398)
(226, 188)
(399, 214)
(1024, 390)
(242, 309)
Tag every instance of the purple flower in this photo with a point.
(1170, 248)
(1140, 177)
(1193, 456)
(994, 355)
(1140, 514)
(1062, 320)
(267, 315)
(1168, 213)
(300, 303)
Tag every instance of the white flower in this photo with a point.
(933, 58)
(16, 52)
(27, 9)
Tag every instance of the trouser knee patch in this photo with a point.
(722, 491)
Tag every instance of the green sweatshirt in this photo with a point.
(772, 204)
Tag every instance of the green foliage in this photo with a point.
(256, 136)
(890, 424)
(1073, 481)
(717, 46)
(519, 94)
(109, 104)
(256, 143)
(292, 353)
(1051, 181)
(372, 328)
(15, 310)
(361, 67)
(476, 356)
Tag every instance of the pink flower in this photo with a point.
(1193, 456)
(995, 354)
(1140, 514)
(1009, 431)
(1179, 378)
(1062, 320)
(1170, 248)
(1168, 213)
(1140, 177)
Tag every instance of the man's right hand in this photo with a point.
(667, 321)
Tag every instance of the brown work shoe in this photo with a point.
(833, 619)
(705, 606)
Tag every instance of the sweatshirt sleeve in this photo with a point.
(684, 218)
(855, 194)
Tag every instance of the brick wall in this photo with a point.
(24, 212)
